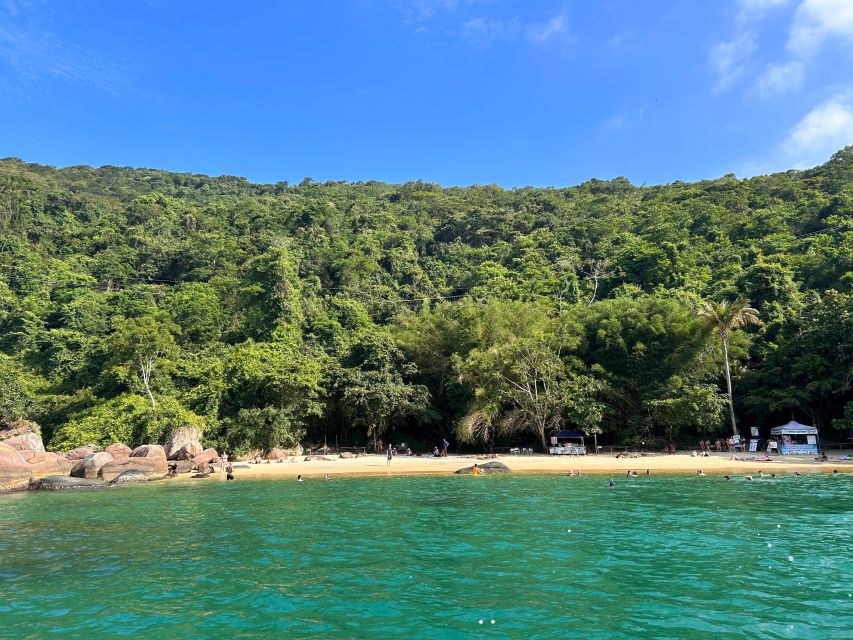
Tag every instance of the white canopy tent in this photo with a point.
(795, 438)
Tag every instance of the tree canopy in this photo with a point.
(134, 301)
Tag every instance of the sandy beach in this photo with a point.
(680, 463)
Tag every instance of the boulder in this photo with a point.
(184, 442)
(81, 452)
(118, 451)
(180, 466)
(21, 435)
(132, 476)
(317, 458)
(275, 454)
(44, 463)
(150, 451)
(89, 466)
(208, 456)
(347, 454)
(489, 467)
(14, 470)
(249, 456)
(56, 483)
(151, 467)
(201, 475)
(293, 451)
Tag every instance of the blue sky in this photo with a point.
(452, 91)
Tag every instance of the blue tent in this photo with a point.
(795, 438)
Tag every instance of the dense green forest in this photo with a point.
(133, 301)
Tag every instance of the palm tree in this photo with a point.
(724, 318)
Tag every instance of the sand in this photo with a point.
(680, 463)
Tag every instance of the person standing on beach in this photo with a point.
(444, 445)
(229, 472)
(223, 460)
(388, 457)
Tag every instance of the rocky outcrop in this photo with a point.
(89, 466)
(118, 451)
(57, 483)
(317, 459)
(150, 451)
(14, 470)
(151, 467)
(208, 456)
(80, 452)
(293, 451)
(133, 476)
(275, 454)
(45, 463)
(180, 466)
(184, 444)
(489, 467)
(347, 454)
(21, 435)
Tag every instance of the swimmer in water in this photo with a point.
(612, 484)
(727, 477)
(749, 477)
(299, 477)
(476, 470)
(327, 477)
(701, 472)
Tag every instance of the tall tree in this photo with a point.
(725, 317)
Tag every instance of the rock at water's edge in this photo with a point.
(152, 467)
(14, 470)
(132, 476)
(89, 466)
(57, 483)
(490, 467)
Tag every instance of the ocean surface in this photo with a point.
(431, 557)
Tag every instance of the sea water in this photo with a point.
(433, 557)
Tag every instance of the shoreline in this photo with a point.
(656, 464)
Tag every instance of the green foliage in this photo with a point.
(135, 300)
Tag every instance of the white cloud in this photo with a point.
(753, 9)
(817, 21)
(556, 26)
(483, 32)
(821, 132)
(778, 78)
(730, 59)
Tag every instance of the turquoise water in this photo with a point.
(429, 557)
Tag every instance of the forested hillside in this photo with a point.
(133, 301)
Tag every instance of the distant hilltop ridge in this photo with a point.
(136, 181)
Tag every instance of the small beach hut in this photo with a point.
(795, 438)
(567, 443)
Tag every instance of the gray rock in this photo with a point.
(490, 467)
(59, 483)
(317, 458)
(180, 466)
(133, 476)
(89, 466)
(152, 467)
(119, 450)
